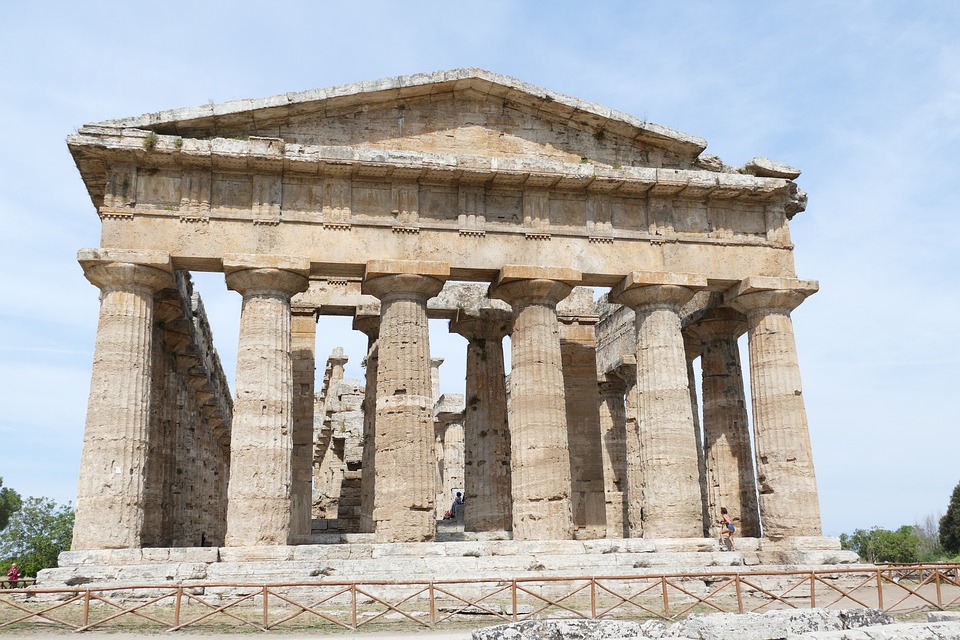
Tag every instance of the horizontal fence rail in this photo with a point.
(374, 604)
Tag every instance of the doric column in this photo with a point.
(691, 350)
(538, 423)
(261, 444)
(613, 440)
(729, 459)
(486, 435)
(404, 458)
(435, 377)
(303, 339)
(626, 370)
(789, 505)
(578, 349)
(368, 322)
(449, 413)
(668, 448)
(113, 468)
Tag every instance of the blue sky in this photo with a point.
(863, 96)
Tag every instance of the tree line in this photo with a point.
(933, 539)
(33, 532)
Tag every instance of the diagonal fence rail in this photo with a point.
(371, 604)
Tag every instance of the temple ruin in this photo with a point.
(499, 206)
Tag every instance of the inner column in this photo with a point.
(261, 445)
(404, 457)
(487, 437)
(729, 459)
(367, 320)
(540, 456)
(672, 506)
(303, 346)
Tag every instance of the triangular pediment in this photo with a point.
(459, 112)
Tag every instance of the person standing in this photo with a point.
(726, 529)
(13, 576)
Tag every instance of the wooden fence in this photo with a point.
(358, 605)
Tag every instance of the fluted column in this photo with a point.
(404, 458)
(449, 414)
(486, 435)
(789, 504)
(691, 349)
(369, 324)
(578, 348)
(113, 467)
(633, 486)
(730, 470)
(541, 482)
(261, 442)
(613, 438)
(303, 338)
(668, 449)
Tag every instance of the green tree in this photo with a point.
(882, 545)
(950, 524)
(36, 535)
(928, 530)
(9, 502)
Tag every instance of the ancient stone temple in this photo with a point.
(463, 195)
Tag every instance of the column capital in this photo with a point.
(367, 320)
(642, 288)
(692, 346)
(528, 284)
(266, 281)
(761, 295)
(397, 278)
(251, 274)
(718, 324)
(486, 323)
(625, 368)
(520, 284)
(123, 269)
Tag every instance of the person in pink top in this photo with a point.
(13, 575)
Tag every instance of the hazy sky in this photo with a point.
(864, 97)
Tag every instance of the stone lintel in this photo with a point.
(640, 279)
(513, 272)
(233, 262)
(378, 268)
(103, 255)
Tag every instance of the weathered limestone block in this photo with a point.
(259, 493)
(538, 425)
(729, 458)
(113, 468)
(405, 489)
(668, 448)
(486, 435)
(789, 504)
